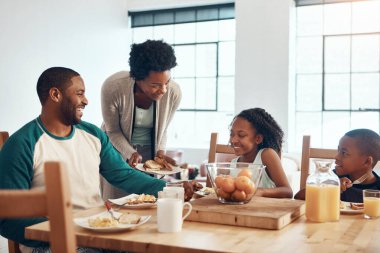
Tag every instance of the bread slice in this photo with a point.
(129, 218)
(152, 165)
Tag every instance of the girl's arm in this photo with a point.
(275, 171)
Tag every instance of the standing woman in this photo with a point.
(138, 105)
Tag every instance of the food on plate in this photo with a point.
(159, 163)
(238, 188)
(357, 206)
(342, 205)
(152, 165)
(129, 218)
(142, 198)
(102, 222)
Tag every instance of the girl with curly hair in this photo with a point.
(257, 138)
(138, 105)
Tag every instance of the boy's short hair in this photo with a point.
(368, 142)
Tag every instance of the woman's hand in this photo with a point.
(345, 183)
(134, 159)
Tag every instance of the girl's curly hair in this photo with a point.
(151, 55)
(265, 125)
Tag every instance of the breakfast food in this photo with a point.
(159, 163)
(129, 218)
(142, 198)
(102, 222)
(357, 206)
(238, 189)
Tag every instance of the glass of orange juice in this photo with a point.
(371, 200)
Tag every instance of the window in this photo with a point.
(337, 69)
(204, 42)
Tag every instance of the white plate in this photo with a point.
(83, 222)
(348, 210)
(140, 167)
(202, 192)
(122, 202)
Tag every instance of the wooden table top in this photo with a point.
(352, 233)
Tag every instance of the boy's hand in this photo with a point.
(345, 183)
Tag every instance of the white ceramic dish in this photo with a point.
(348, 210)
(205, 191)
(140, 167)
(83, 222)
(122, 202)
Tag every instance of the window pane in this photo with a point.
(164, 32)
(206, 94)
(206, 60)
(337, 54)
(188, 92)
(310, 20)
(337, 91)
(309, 93)
(184, 33)
(163, 18)
(226, 60)
(365, 91)
(366, 16)
(335, 125)
(207, 14)
(309, 55)
(365, 53)
(337, 18)
(226, 94)
(207, 31)
(186, 61)
(310, 124)
(227, 29)
(365, 120)
(185, 16)
(141, 34)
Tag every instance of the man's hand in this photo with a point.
(161, 154)
(345, 183)
(134, 159)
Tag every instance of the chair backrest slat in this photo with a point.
(307, 154)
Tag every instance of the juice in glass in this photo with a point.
(371, 200)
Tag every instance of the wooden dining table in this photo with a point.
(352, 233)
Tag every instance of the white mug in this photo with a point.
(169, 212)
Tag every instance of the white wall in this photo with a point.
(262, 57)
(89, 36)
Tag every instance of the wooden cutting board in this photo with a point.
(268, 213)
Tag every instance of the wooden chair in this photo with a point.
(54, 202)
(219, 153)
(307, 153)
(3, 137)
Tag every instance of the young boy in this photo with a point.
(358, 153)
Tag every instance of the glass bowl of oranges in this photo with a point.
(235, 183)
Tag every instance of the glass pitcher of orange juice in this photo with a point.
(322, 193)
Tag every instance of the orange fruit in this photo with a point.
(245, 172)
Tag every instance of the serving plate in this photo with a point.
(83, 222)
(122, 202)
(176, 169)
(348, 210)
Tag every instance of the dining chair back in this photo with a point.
(307, 153)
(54, 202)
(3, 137)
(218, 153)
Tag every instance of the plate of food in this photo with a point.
(103, 222)
(135, 201)
(158, 166)
(351, 207)
(204, 192)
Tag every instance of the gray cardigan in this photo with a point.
(117, 102)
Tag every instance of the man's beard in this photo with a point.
(69, 113)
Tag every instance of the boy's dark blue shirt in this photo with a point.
(355, 193)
